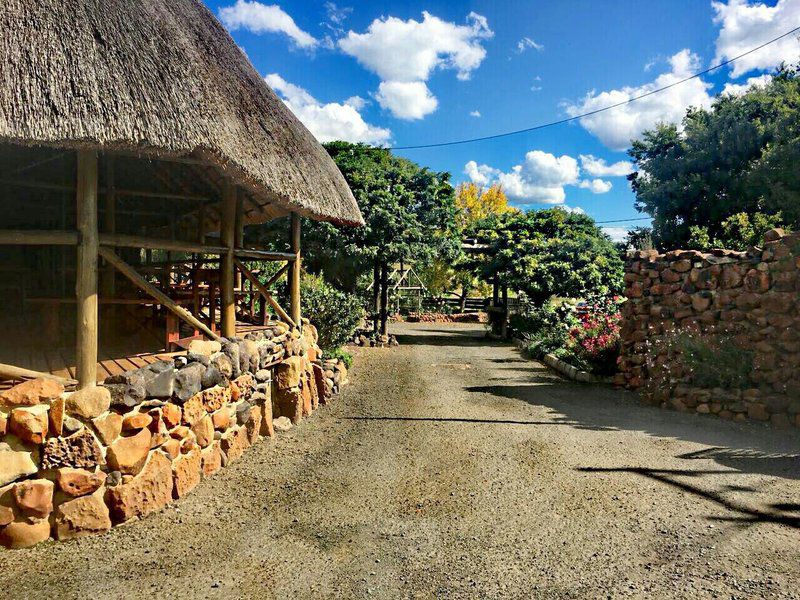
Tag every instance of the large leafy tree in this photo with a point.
(738, 157)
(409, 213)
(548, 252)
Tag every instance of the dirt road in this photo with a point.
(451, 468)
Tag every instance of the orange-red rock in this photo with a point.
(290, 404)
(234, 442)
(79, 482)
(266, 428)
(216, 397)
(136, 421)
(287, 373)
(253, 424)
(221, 419)
(24, 533)
(186, 473)
(172, 448)
(29, 393)
(30, 423)
(128, 454)
(57, 413)
(211, 459)
(171, 413)
(82, 516)
(89, 402)
(204, 431)
(149, 491)
(34, 497)
(108, 427)
(193, 409)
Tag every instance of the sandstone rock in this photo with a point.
(246, 384)
(30, 393)
(30, 423)
(34, 497)
(181, 432)
(88, 403)
(234, 442)
(8, 506)
(136, 421)
(757, 411)
(288, 372)
(82, 516)
(79, 450)
(128, 454)
(203, 430)
(56, 416)
(108, 427)
(211, 460)
(216, 397)
(79, 482)
(774, 235)
(172, 448)
(253, 424)
(172, 414)
(282, 424)
(149, 491)
(23, 534)
(290, 404)
(16, 461)
(204, 348)
(193, 410)
(266, 428)
(221, 419)
(263, 375)
(186, 473)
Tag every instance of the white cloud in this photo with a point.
(262, 18)
(409, 100)
(577, 210)
(539, 179)
(737, 89)
(618, 126)
(332, 121)
(527, 43)
(617, 234)
(596, 186)
(404, 54)
(475, 113)
(746, 25)
(536, 88)
(597, 167)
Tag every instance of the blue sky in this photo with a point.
(416, 72)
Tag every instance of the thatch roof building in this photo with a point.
(160, 79)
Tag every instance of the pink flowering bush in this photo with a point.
(593, 343)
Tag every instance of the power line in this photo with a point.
(599, 110)
(625, 220)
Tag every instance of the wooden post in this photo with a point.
(376, 296)
(86, 280)
(227, 233)
(238, 238)
(294, 272)
(108, 282)
(384, 299)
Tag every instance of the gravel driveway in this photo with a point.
(452, 468)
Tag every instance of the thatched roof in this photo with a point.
(158, 78)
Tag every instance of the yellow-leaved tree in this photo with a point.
(475, 203)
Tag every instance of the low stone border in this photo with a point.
(566, 369)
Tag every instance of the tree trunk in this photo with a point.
(463, 304)
(384, 299)
(376, 295)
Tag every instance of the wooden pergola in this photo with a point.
(185, 198)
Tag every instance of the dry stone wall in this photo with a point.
(77, 463)
(746, 299)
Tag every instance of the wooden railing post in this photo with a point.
(294, 272)
(227, 237)
(86, 279)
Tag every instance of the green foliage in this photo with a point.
(545, 328)
(334, 313)
(715, 361)
(548, 252)
(739, 157)
(738, 232)
(638, 238)
(342, 354)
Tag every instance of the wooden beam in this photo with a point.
(86, 279)
(294, 272)
(227, 235)
(264, 291)
(37, 237)
(271, 281)
(153, 291)
(12, 372)
(264, 255)
(60, 187)
(137, 241)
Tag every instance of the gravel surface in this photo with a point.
(452, 468)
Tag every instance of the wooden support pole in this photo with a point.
(154, 292)
(86, 281)
(294, 271)
(227, 234)
(384, 299)
(266, 294)
(109, 226)
(238, 238)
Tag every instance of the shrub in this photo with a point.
(334, 313)
(714, 360)
(544, 328)
(342, 354)
(594, 343)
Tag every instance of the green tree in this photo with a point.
(739, 156)
(548, 252)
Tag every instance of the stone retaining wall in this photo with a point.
(76, 463)
(749, 298)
